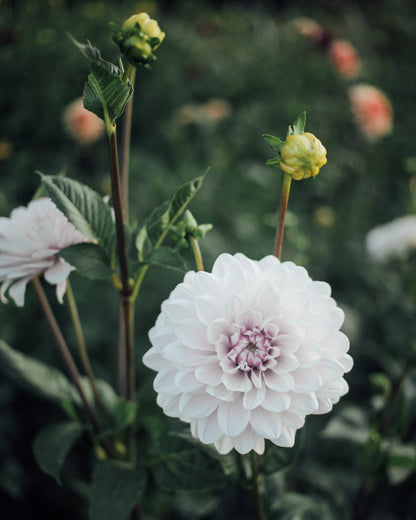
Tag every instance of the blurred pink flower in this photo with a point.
(345, 58)
(81, 124)
(245, 352)
(310, 29)
(212, 111)
(372, 110)
(29, 241)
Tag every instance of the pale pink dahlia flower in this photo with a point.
(81, 124)
(394, 239)
(29, 241)
(246, 352)
(372, 110)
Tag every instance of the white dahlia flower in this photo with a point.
(29, 241)
(246, 352)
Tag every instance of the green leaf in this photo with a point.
(277, 459)
(35, 376)
(53, 444)
(90, 260)
(166, 257)
(105, 94)
(401, 462)
(116, 488)
(274, 162)
(295, 506)
(165, 215)
(274, 142)
(84, 207)
(186, 465)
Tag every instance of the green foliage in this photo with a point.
(295, 506)
(186, 464)
(53, 444)
(116, 488)
(35, 376)
(90, 260)
(105, 93)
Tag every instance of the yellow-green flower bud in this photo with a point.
(138, 38)
(302, 155)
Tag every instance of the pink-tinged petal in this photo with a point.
(238, 382)
(154, 359)
(60, 291)
(218, 328)
(266, 424)
(222, 393)
(195, 406)
(276, 402)
(308, 354)
(292, 420)
(232, 418)
(306, 380)
(286, 363)
(286, 439)
(208, 430)
(254, 397)
(247, 441)
(169, 404)
(250, 318)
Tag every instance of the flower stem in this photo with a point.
(282, 214)
(65, 353)
(197, 254)
(126, 138)
(256, 488)
(82, 348)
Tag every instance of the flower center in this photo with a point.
(251, 348)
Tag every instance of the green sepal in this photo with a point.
(116, 488)
(274, 162)
(298, 126)
(105, 93)
(90, 260)
(52, 445)
(274, 142)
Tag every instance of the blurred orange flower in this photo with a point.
(310, 29)
(345, 58)
(81, 124)
(372, 110)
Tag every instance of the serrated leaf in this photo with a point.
(53, 444)
(166, 214)
(116, 488)
(274, 142)
(184, 465)
(38, 377)
(166, 257)
(105, 94)
(84, 207)
(90, 260)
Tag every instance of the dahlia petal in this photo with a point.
(333, 390)
(222, 393)
(250, 318)
(247, 441)
(177, 310)
(278, 382)
(347, 362)
(319, 329)
(182, 356)
(224, 445)
(303, 403)
(192, 335)
(195, 406)
(164, 382)
(169, 404)
(286, 363)
(308, 354)
(339, 344)
(207, 309)
(154, 359)
(330, 369)
(18, 289)
(232, 418)
(265, 298)
(61, 290)
(58, 272)
(306, 380)
(293, 420)
(286, 439)
(187, 382)
(218, 328)
(254, 397)
(321, 288)
(208, 429)
(210, 372)
(276, 401)
(325, 405)
(3, 290)
(266, 424)
(238, 382)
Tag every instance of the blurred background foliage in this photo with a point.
(261, 73)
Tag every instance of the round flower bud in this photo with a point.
(302, 155)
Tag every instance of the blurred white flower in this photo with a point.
(394, 239)
(246, 352)
(29, 241)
